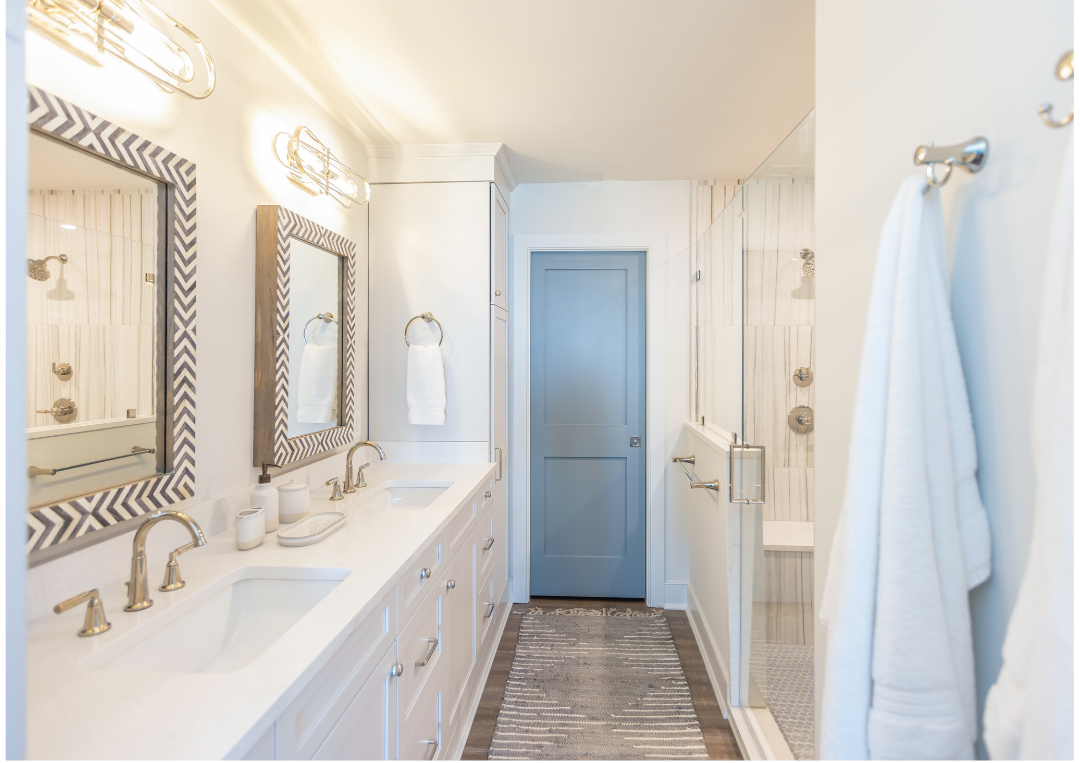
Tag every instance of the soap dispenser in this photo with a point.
(264, 496)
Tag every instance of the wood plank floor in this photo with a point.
(719, 740)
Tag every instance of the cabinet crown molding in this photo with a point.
(497, 151)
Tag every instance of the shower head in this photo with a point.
(808, 262)
(39, 271)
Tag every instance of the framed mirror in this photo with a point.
(305, 337)
(110, 324)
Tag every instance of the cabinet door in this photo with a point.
(459, 584)
(499, 246)
(368, 729)
(500, 438)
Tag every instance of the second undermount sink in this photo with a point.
(405, 494)
(227, 626)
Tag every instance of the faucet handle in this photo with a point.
(173, 581)
(95, 621)
(360, 481)
(335, 495)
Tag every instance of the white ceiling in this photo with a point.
(576, 89)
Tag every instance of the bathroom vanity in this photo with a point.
(372, 644)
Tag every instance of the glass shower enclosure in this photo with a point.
(754, 344)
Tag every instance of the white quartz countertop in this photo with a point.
(76, 711)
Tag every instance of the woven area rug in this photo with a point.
(599, 684)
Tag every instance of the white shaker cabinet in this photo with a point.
(368, 729)
(459, 582)
(499, 244)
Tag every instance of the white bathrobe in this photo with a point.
(1029, 710)
(913, 536)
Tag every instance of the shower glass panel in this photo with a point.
(753, 265)
(718, 257)
(778, 401)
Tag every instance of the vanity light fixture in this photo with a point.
(134, 31)
(314, 169)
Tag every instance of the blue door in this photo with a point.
(587, 390)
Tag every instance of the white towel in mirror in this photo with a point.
(425, 385)
(317, 400)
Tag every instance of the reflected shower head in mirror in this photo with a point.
(39, 270)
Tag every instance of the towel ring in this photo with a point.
(325, 317)
(428, 318)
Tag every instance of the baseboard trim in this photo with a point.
(675, 596)
(479, 677)
(718, 676)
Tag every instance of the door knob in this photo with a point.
(450, 584)
(397, 670)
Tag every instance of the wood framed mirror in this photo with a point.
(305, 339)
(111, 326)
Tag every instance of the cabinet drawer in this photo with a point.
(461, 524)
(419, 652)
(422, 738)
(414, 584)
(486, 608)
(487, 543)
(368, 728)
(302, 728)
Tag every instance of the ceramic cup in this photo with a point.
(294, 501)
(250, 528)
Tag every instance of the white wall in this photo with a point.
(228, 137)
(13, 383)
(887, 82)
(651, 211)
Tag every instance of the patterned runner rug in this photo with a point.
(596, 684)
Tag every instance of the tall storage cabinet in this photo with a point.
(442, 247)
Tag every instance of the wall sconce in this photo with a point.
(314, 169)
(134, 31)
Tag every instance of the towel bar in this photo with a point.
(428, 318)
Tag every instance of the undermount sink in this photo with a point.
(405, 494)
(226, 627)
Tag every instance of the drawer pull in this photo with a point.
(425, 573)
(435, 749)
(450, 584)
(487, 494)
(397, 670)
(488, 543)
(431, 652)
(491, 609)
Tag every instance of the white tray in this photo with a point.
(311, 529)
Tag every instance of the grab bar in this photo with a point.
(711, 485)
(37, 471)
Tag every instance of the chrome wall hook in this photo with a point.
(970, 156)
(1063, 71)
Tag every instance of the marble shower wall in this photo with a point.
(717, 252)
(97, 310)
(778, 338)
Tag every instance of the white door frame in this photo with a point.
(655, 248)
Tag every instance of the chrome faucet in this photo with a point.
(139, 587)
(350, 483)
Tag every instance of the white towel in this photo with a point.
(425, 385)
(1029, 711)
(317, 398)
(913, 536)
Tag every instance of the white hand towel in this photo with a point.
(1029, 711)
(425, 385)
(317, 398)
(913, 536)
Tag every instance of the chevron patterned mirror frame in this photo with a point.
(276, 227)
(78, 517)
